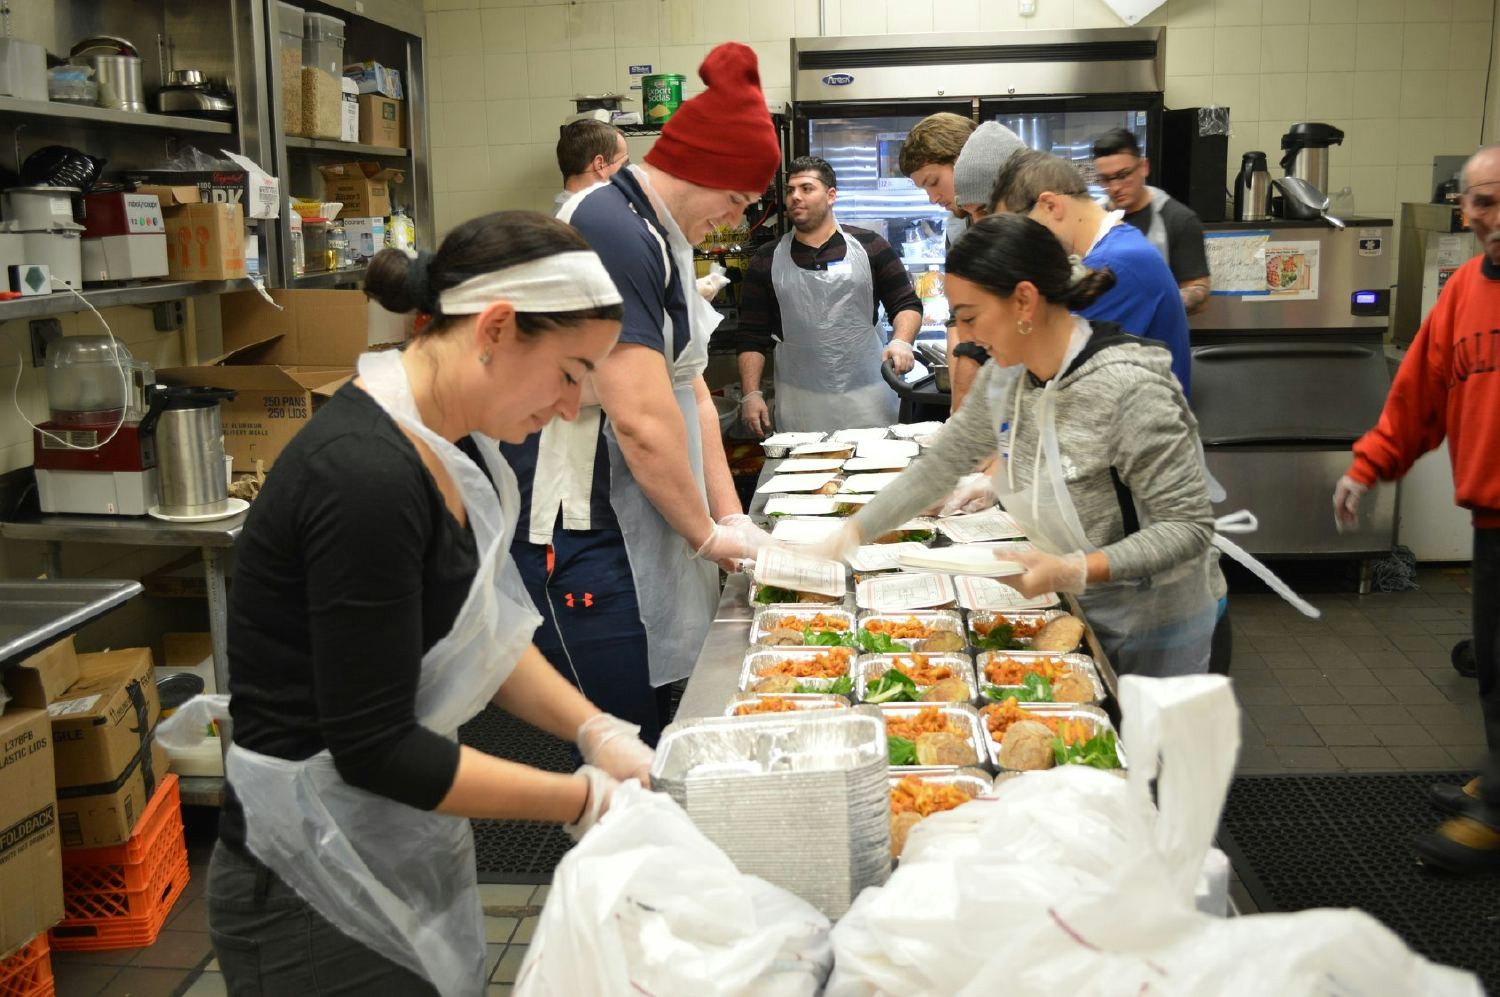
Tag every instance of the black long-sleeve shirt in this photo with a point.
(349, 569)
(760, 313)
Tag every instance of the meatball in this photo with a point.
(1027, 746)
(945, 748)
(777, 683)
(783, 636)
(1072, 687)
(1059, 636)
(943, 640)
(947, 691)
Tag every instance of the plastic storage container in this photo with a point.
(322, 75)
(289, 52)
(315, 244)
(338, 247)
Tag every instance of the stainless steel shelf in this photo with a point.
(64, 302)
(36, 613)
(332, 278)
(107, 116)
(326, 145)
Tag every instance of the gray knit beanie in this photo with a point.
(986, 151)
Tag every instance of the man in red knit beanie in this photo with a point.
(629, 511)
(1449, 385)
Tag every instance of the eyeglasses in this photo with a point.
(1121, 177)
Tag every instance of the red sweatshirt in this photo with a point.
(1448, 384)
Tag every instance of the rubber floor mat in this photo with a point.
(516, 851)
(1302, 841)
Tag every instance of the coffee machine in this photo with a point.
(96, 453)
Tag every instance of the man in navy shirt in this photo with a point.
(1145, 299)
(629, 511)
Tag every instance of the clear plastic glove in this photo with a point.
(839, 545)
(612, 744)
(1346, 496)
(601, 788)
(711, 283)
(734, 538)
(756, 413)
(899, 353)
(975, 493)
(1047, 572)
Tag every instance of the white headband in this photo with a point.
(567, 282)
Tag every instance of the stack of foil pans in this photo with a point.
(798, 799)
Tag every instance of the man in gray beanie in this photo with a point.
(986, 151)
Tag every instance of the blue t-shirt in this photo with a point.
(619, 223)
(1144, 301)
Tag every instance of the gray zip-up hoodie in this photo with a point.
(1117, 407)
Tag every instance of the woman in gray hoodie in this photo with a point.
(1099, 455)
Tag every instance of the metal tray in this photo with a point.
(938, 619)
(918, 522)
(1038, 616)
(1071, 711)
(975, 780)
(967, 716)
(869, 667)
(768, 618)
(833, 600)
(802, 700)
(759, 658)
(778, 445)
(1080, 662)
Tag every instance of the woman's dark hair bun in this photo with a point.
(389, 281)
(1089, 288)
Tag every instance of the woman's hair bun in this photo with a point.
(398, 282)
(1088, 288)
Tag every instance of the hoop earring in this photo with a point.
(1024, 327)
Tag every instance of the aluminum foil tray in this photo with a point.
(920, 522)
(748, 781)
(1071, 711)
(966, 716)
(801, 700)
(1079, 662)
(937, 619)
(823, 600)
(759, 658)
(869, 667)
(1036, 617)
(769, 618)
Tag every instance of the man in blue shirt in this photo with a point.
(1145, 299)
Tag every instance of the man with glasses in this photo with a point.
(588, 152)
(1169, 224)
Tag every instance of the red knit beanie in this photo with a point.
(723, 138)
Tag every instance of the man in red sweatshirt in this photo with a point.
(1449, 385)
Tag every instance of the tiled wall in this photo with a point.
(1405, 79)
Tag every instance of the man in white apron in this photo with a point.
(629, 512)
(1170, 225)
(811, 297)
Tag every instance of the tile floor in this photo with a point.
(1368, 687)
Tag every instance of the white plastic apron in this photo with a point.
(398, 879)
(1161, 625)
(1157, 231)
(677, 590)
(827, 370)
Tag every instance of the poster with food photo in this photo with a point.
(1292, 271)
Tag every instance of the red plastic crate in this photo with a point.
(28, 973)
(119, 896)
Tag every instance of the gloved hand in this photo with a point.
(974, 493)
(612, 744)
(899, 353)
(601, 788)
(1047, 572)
(839, 545)
(734, 538)
(756, 413)
(1346, 496)
(709, 285)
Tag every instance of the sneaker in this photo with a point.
(1462, 657)
(1451, 799)
(1462, 845)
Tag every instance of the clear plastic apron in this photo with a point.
(1156, 233)
(677, 590)
(398, 879)
(827, 371)
(1161, 625)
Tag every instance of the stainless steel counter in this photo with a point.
(34, 613)
(716, 676)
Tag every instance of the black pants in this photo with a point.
(1221, 649)
(271, 943)
(1487, 657)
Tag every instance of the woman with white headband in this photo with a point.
(375, 608)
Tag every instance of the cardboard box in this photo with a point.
(124, 257)
(95, 816)
(366, 236)
(372, 77)
(102, 722)
(205, 242)
(364, 189)
(189, 652)
(30, 849)
(349, 121)
(171, 196)
(257, 193)
(317, 328)
(379, 120)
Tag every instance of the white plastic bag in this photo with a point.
(646, 904)
(1071, 882)
(187, 727)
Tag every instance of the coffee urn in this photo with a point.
(1252, 189)
(1305, 152)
